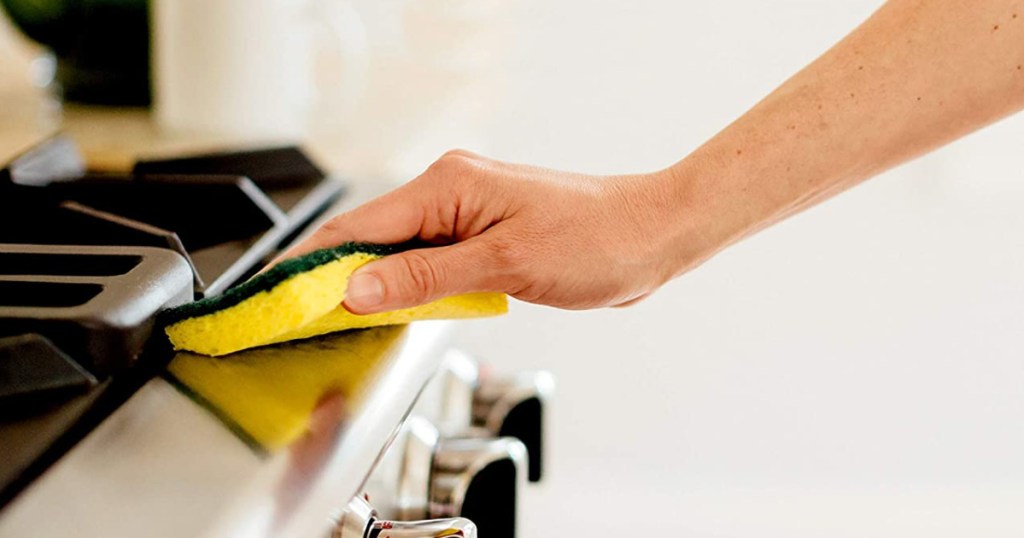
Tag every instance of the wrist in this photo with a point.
(704, 214)
(668, 218)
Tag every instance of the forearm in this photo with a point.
(915, 76)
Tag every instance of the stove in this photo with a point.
(105, 431)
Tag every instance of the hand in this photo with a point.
(554, 238)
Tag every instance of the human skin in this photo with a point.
(915, 76)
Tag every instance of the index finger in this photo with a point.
(391, 218)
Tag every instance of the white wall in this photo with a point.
(855, 371)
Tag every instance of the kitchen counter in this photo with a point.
(111, 139)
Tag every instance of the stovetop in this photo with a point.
(105, 431)
(87, 262)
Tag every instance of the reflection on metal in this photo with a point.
(164, 466)
(459, 376)
(516, 406)
(274, 395)
(458, 462)
(360, 521)
(421, 440)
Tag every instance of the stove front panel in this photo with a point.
(171, 463)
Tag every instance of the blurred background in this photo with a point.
(854, 371)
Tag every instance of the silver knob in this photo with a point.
(360, 521)
(433, 528)
(479, 478)
(515, 406)
(458, 380)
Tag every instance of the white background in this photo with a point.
(855, 371)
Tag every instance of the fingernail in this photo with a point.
(365, 290)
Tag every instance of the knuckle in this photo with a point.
(450, 162)
(458, 166)
(458, 152)
(443, 172)
(422, 280)
(454, 177)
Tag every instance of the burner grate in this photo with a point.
(224, 213)
(88, 260)
(104, 320)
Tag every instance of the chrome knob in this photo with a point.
(515, 407)
(458, 380)
(433, 528)
(360, 521)
(479, 478)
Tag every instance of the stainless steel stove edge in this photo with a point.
(161, 465)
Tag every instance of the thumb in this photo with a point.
(420, 276)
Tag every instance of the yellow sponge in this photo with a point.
(300, 298)
(272, 396)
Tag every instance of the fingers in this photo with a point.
(451, 202)
(430, 208)
(392, 218)
(419, 276)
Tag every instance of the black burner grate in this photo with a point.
(225, 213)
(81, 282)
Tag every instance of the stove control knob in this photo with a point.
(480, 479)
(515, 406)
(360, 521)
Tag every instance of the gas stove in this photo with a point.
(105, 431)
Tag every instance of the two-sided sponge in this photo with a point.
(300, 298)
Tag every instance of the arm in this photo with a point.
(916, 75)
